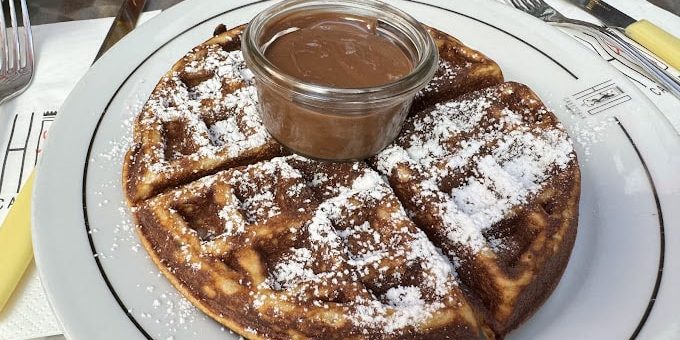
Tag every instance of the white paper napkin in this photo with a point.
(64, 53)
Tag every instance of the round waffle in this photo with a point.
(458, 230)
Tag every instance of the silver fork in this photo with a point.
(15, 75)
(547, 13)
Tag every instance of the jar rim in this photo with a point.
(415, 80)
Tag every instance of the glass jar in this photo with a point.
(330, 123)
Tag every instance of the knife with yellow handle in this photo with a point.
(663, 44)
(16, 251)
(16, 248)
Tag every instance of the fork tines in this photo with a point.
(16, 43)
(16, 58)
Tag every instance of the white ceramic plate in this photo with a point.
(623, 277)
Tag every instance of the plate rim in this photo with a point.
(166, 16)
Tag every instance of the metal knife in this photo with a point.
(16, 249)
(124, 23)
(665, 45)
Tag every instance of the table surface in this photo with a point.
(672, 6)
(50, 11)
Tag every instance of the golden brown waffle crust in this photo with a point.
(142, 187)
(230, 323)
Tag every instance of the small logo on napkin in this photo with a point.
(597, 99)
(26, 137)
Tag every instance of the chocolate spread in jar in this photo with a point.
(339, 51)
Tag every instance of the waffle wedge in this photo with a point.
(200, 118)
(493, 180)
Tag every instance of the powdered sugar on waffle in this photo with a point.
(234, 223)
(405, 307)
(446, 73)
(242, 129)
(227, 133)
(443, 125)
(399, 306)
(519, 162)
(260, 207)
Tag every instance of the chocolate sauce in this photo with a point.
(338, 50)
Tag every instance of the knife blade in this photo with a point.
(605, 12)
(16, 249)
(124, 23)
(665, 45)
